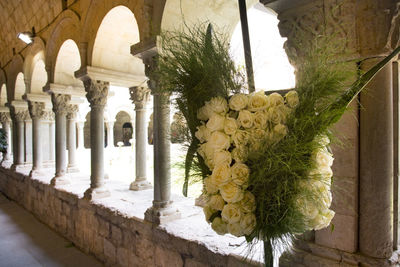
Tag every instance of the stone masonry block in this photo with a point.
(166, 258)
(116, 235)
(109, 251)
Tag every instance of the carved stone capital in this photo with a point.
(21, 115)
(139, 95)
(60, 103)
(36, 110)
(96, 92)
(5, 117)
(71, 111)
(48, 115)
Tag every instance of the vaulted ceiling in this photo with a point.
(21, 15)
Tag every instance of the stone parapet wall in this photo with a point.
(110, 236)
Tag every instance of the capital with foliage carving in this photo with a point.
(21, 115)
(5, 117)
(139, 95)
(36, 110)
(60, 103)
(96, 92)
(71, 111)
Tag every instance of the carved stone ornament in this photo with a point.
(139, 95)
(96, 92)
(71, 111)
(60, 103)
(21, 115)
(36, 110)
(4, 117)
(48, 115)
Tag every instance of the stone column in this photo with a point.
(96, 94)
(6, 123)
(376, 164)
(71, 138)
(110, 134)
(60, 106)
(28, 140)
(81, 137)
(52, 137)
(36, 110)
(20, 116)
(140, 97)
(162, 210)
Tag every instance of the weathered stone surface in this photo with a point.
(166, 258)
(109, 251)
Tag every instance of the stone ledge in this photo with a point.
(114, 230)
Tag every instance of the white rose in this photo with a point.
(235, 229)
(238, 102)
(231, 213)
(323, 140)
(307, 208)
(240, 153)
(219, 226)
(222, 157)
(216, 202)
(219, 141)
(221, 174)
(260, 119)
(240, 137)
(230, 126)
(248, 203)
(279, 132)
(219, 105)
(248, 223)
(202, 133)
(208, 212)
(209, 186)
(275, 100)
(231, 192)
(322, 172)
(326, 198)
(292, 99)
(216, 122)
(323, 219)
(245, 119)
(205, 112)
(258, 135)
(323, 158)
(240, 173)
(205, 151)
(274, 115)
(258, 101)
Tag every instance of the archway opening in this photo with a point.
(39, 77)
(272, 70)
(19, 87)
(68, 61)
(123, 129)
(117, 32)
(3, 95)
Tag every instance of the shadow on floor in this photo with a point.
(24, 241)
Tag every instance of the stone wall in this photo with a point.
(111, 237)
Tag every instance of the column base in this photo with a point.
(60, 180)
(140, 185)
(162, 215)
(18, 167)
(96, 193)
(72, 169)
(35, 173)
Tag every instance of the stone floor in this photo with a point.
(24, 241)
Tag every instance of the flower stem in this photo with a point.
(268, 254)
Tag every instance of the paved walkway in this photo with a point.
(24, 241)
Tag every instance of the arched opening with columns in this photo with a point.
(67, 62)
(20, 88)
(39, 78)
(122, 133)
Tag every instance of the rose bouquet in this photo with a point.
(264, 159)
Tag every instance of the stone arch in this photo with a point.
(35, 54)
(66, 27)
(125, 108)
(3, 95)
(120, 135)
(110, 48)
(12, 71)
(67, 62)
(20, 87)
(38, 78)
(177, 13)
(98, 11)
